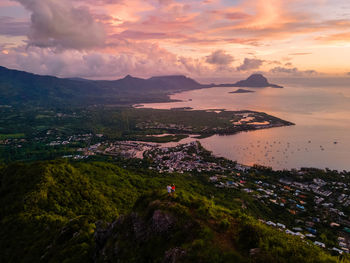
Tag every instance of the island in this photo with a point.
(253, 81)
(242, 91)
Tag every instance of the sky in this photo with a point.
(210, 39)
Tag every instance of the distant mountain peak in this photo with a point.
(258, 78)
(128, 77)
(169, 77)
(47, 91)
(255, 81)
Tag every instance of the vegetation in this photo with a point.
(26, 89)
(11, 136)
(25, 134)
(57, 211)
(60, 210)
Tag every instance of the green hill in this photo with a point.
(23, 88)
(18, 88)
(60, 211)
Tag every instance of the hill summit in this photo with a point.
(256, 80)
(97, 212)
(253, 81)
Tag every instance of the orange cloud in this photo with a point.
(335, 38)
(183, 33)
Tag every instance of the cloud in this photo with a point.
(250, 64)
(340, 37)
(292, 71)
(13, 27)
(197, 37)
(141, 35)
(57, 24)
(146, 60)
(101, 2)
(300, 54)
(219, 58)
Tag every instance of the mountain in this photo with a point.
(22, 88)
(61, 211)
(253, 81)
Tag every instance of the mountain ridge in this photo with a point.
(24, 88)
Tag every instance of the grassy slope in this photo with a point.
(48, 211)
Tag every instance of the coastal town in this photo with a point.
(311, 207)
(310, 204)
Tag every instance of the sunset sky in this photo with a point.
(202, 39)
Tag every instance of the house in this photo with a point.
(270, 223)
(337, 250)
(311, 230)
(320, 244)
(342, 244)
(289, 232)
(281, 225)
(297, 229)
(310, 235)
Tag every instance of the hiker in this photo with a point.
(168, 188)
(173, 188)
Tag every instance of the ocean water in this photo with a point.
(320, 138)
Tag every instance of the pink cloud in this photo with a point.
(172, 36)
(54, 23)
(220, 58)
(250, 64)
(13, 27)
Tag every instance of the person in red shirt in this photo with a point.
(173, 188)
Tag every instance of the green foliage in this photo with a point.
(12, 136)
(32, 129)
(49, 211)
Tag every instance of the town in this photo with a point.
(302, 203)
(310, 204)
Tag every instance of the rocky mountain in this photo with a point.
(253, 81)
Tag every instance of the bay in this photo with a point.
(320, 138)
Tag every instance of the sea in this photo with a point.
(319, 139)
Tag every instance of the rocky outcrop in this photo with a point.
(111, 239)
(174, 255)
(161, 222)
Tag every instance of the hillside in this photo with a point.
(18, 88)
(61, 211)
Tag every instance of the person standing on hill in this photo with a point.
(169, 190)
(173, 188)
